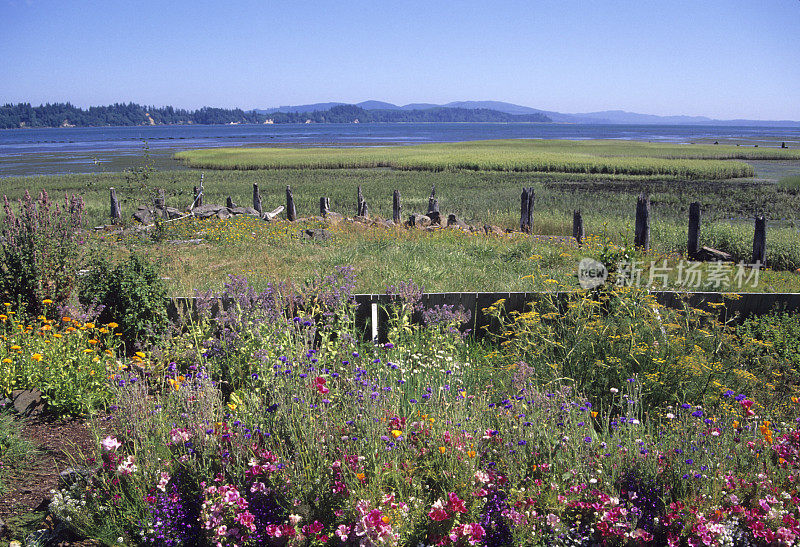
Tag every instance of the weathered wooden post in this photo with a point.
(526, 210)
(359, 203)
(760, 241)
(577, 227)
(433, 207)
(641, 236)
(160, 200)
(291, 212)
(198, 193)
(364, 209)
(160, 203)
(256, 198)
(324, 207)
(229, 203)
(396, 207)
(693, 245)
(116, 212)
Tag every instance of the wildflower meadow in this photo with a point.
(271, 421)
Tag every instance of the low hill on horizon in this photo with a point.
(612, 117)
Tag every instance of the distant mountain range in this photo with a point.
(603, 117)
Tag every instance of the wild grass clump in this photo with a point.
(589, 157)
(790, 184)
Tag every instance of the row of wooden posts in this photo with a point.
(641, 237)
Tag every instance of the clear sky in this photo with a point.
(723, 59)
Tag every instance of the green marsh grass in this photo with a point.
(790, 184)
(520, 155)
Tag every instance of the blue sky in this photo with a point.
(724, 59)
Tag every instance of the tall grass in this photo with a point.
(589, 157)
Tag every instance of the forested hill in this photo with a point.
(67, 115)
(350, 113)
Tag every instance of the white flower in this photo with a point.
(110, 443)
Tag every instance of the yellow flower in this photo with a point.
(112, 325)
(6, 360)
(3, 316)
(396, 433)
(92, 341)
(442, 450)
(47, 301)
(232, 406)
(15, 347)
(470, 453)
(140, 355)
(36, 357)
(89, 325)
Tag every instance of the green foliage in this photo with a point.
(132, 293)
(68, 361)
(790, 184)
(773, 342)
(39, 250)
(599, 339)
(14, 449)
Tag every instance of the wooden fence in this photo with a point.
(527, 201)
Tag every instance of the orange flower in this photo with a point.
(442, 450)
(36, 357)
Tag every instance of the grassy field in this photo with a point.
(548, 156)
(447, 261)
(441, 261)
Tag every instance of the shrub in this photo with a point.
(131, 293)
(39, 250)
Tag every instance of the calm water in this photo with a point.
(99, 149)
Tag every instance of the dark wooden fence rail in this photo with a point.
(372, 306)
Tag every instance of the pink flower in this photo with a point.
(437, 512)
(342, 532)
(454, 504)
(110, 443)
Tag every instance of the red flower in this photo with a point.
(319, 383)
